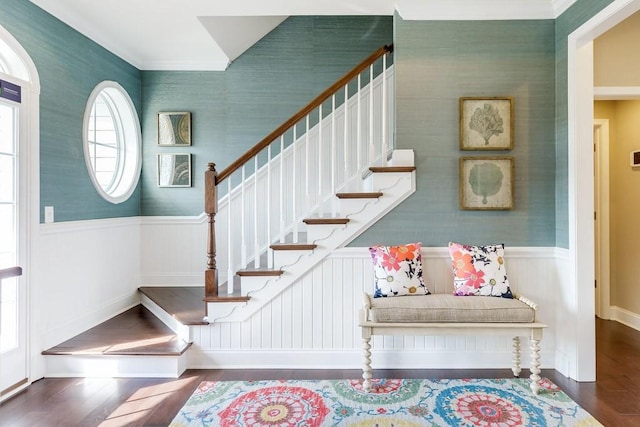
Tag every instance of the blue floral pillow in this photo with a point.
(479, 270)
(398, 270)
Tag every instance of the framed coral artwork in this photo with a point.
(486, 123)
(486, 183)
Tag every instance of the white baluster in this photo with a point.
(385, 137)
(281, 195)
(333, 150)
(269, 257)
(345, 142)
(256, 244)
(320, 155)
(307, 167)
(243, 231)
(230, 237)
(359, 126)
(294, 190)
(372, 148)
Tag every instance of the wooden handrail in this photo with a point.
(317, 101)
(6, 273)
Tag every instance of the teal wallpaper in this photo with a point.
(566, 23)
(70, 66)
(234, 109)
(438, 62)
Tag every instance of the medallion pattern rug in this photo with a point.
(391, 402)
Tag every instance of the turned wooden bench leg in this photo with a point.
(366, 359)
(515, 366)
(536, 337)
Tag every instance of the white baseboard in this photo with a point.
(352, 359)
(625, 317)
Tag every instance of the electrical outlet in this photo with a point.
(48, 214)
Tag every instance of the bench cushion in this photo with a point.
(447, 308)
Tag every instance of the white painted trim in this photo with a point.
(580, 129)
(560, 6)
(112, 366)
(182, 331)
(608, 93)
(443, 252)
(602, 248)
(30, 162)
(174, 220)
(625, 317)
(66, 227)
(473, 10)
(352, 359)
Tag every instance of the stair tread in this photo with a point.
(293, 246)
(135, 332)
(223, 296)
(184, 303)
(361, 195)
(325, 220)
(261, 271)
(391, 169)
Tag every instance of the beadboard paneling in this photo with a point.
(86, 272)
(317, 315)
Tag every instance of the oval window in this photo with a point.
(112, 142)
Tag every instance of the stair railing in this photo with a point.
(296, 170)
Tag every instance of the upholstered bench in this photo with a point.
(446, 314)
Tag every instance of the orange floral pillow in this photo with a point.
(398, 270)
(479, 270)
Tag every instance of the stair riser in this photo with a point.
(110, 366)
(282, 259)
(317, 232)
(250, 284)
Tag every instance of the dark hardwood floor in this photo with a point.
(614, 399)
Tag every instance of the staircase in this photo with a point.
(310, 187)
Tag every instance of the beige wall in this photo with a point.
(616, 55)
(624, 137)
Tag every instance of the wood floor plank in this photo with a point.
(613, 399)
(135, 332)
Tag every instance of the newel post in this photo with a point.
(210, 209)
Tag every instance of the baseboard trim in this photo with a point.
(625, 317)
(352, 359)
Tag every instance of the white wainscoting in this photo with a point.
(85, 273)
(312, 324)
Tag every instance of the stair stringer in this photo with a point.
(362, 214)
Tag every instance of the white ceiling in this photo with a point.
(209, 34)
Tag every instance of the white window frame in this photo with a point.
(129, 157)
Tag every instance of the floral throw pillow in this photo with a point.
(398, 270)
(479, 270)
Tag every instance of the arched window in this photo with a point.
(112, 142)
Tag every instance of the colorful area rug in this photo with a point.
(392, 402)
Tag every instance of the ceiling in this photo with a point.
(209, 34)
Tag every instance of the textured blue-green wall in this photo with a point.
(70, 66)
(234, 109)
(438, 62)
(569, 21)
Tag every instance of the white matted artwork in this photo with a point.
(486, 123)
(486, 183)
(174, 129)
(174, 170)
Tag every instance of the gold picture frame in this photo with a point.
(486, 183)
(486, 123)
(174, 129)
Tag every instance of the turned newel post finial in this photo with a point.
(210, 209)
